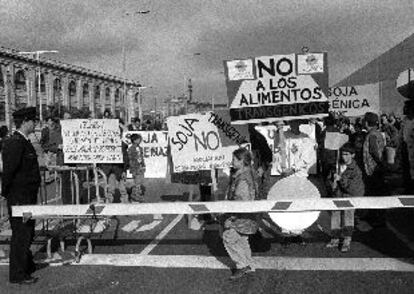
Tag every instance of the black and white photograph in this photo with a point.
(206, 146)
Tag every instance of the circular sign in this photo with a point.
(405, 83)
(293, 187)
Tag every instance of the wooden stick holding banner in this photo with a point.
(213, 183)
(334, 141)
(92, 141)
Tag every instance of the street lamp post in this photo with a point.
(129, 103)
(37, 53)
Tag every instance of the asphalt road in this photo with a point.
(143, 254)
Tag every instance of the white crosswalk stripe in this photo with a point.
(261, 262)
(131, 226)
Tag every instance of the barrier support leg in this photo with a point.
(49, 248)
(62, 245)
(190, 199)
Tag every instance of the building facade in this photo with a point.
(26, 81)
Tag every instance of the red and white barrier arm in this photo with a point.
(319, 204)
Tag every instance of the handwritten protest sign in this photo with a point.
(197, 143)
(271, 135)
(154, 146)
(278, 87)
(354, 100)
(91, 141)
(335, 140)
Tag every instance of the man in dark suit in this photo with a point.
(20, 185)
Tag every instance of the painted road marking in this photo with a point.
(402, 237)
(49, 226)
(98, 228)
(261, 262)
(161, 235)
(149, 226)
(131, 226)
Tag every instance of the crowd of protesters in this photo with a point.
(377, 147)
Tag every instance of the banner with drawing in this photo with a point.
(277, 87)
(91, 141)
(154, 146)
(272, 138)
(203, 141)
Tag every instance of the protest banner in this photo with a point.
(271, 136)
(91, 141)
(203, 141)
(354, 100)
(154, 146)
(335, 140)
(277, 87)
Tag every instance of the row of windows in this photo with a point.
(20, 85)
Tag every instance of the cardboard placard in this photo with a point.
(335, 140)
(354, 100)
(277, 87)
(197, 143)
(91, 141)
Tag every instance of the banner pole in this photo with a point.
(337, 161)
(213, 183)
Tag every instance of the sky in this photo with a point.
(181, 39)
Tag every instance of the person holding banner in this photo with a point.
(116, 173)
(137, 167)
(296, 151)
(238, 227)
(346, 182)
(262, 158)
(328, 156)
(20, 185)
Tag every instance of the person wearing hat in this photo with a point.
(346, 182)
(372, 153)
(20, 185)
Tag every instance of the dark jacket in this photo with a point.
(51, 138)
(21, 175)
(351, 183)
(117, 168)
(373, 150)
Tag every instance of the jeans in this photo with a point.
(342, 223)
(137, 190)
(238, 248)
(114, 184)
